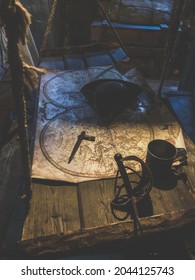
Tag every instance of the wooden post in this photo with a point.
(16, 67)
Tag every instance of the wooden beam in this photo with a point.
(95, 47)
(10, 182)
(65, 243)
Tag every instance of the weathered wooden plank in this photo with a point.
(183, 106)
(96, 197)
(94, 207)
(70, 208)
(183, 194)
(10, 182)
(158, 206)
(53, 210)
(15, 224)
(100, 235)
(147, 53)
(80, 50)
(138, 11)
(108, 196)
(174, 199)
(190, 172)
(190, 149)
(131, 35)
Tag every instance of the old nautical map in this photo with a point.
(63, 113)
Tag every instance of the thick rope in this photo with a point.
(49, 26)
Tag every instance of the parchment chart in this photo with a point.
(63, 113)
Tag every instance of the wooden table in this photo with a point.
(64, 217)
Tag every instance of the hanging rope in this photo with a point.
(49, 26)
(16, 21)
(176, 11)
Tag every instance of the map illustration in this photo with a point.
(63, 113)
